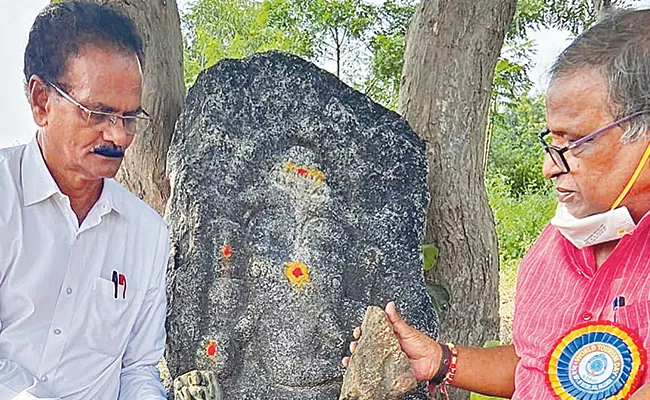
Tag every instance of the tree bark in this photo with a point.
(452, 47)
(143, 169)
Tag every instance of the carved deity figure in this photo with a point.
(296, 203)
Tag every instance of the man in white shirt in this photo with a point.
(82, 260)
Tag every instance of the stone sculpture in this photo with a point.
(296, 203)
(197, 385)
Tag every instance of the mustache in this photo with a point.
(109, 151)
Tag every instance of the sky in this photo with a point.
(16, 17)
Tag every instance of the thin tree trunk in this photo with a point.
(452, 47)
(338, 53)
(601, 7)
(143, 169)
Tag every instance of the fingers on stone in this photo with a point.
(353, 347)
(345, 361)
(356, 333)
(391, 312)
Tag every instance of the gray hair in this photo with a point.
(619, 47)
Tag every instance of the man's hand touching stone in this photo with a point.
(423, 352)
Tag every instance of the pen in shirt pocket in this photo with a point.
(618, 303)
(115, 279)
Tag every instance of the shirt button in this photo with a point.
(587, 316)
(57, 331)
(68, 290)
(44, 378)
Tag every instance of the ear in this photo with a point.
(39, 100)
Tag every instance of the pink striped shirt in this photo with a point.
(559, 287)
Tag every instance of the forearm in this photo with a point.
(489, 371)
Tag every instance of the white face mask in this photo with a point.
(594, 229)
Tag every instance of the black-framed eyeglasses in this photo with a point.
(557, 153)
(133, 124)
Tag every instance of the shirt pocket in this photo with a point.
(110, 319)
(636, 318)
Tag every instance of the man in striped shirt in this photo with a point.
(591, 264)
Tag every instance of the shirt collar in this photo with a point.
(38, 184)
(112, 196)
(36, 179)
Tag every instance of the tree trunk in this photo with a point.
(452, 47)
(143, 169)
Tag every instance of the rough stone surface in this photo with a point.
(379, 369)
(296, 203)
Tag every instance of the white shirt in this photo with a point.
(63, 333)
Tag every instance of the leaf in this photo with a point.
(430, 254)
(439, 299)
(492, 343)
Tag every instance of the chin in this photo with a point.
(582, 212)
(107, 173)
(574, 209)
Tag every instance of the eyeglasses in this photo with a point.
(132, 123)
(557, 153)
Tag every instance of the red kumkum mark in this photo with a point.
(226, 251)
(302, 172)
(211, 348)
(297, 273)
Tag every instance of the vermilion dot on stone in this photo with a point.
(226, 251)
(212, 349)
(302, 172)
(297, 272)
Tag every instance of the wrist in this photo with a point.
(446, 370)
(434, 360)
(440, 364)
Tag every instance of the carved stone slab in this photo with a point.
(296, 203)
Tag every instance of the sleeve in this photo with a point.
(16, 383)
(140, 378)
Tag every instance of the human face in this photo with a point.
(576, 105)
(103, 79)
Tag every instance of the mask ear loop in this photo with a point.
(634, 177)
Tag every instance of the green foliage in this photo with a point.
(515, 153)
(336, 19)
(218, 29)
(510, 80)
(387, 47)
(571, 15)
(476, 396)
(430, 254)
(521, 198)
(364, 41)
(518, 220)
(439, 300)
(339, 28)
(439, 295)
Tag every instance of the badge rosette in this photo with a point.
(596, 361)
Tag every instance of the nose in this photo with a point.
(117, 134)
(549, 168)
